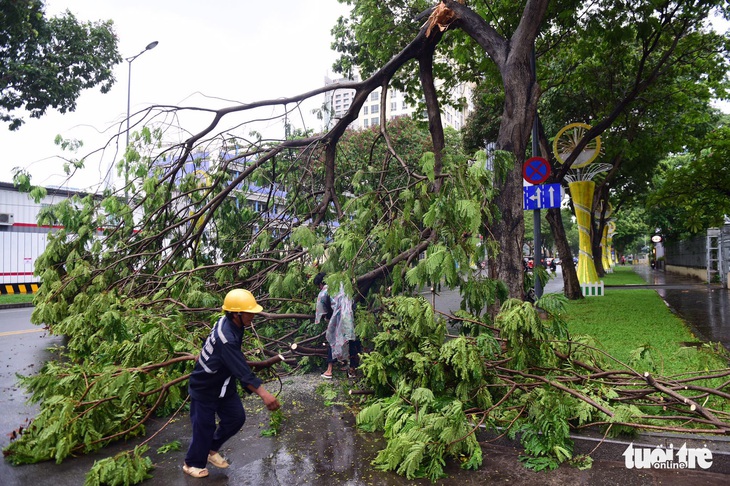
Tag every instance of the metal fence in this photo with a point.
(693, 253)
(687, 253)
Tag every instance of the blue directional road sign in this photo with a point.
(541, 196)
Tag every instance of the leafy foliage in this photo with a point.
(169, 447)
(136, 297)
(46, 62)
(692, 191)
(275, 419)
(528, 335)
(121, 470)
(636, 75)
(546, 434)
(426, 383)
(526, 374)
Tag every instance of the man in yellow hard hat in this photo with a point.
(212, 387)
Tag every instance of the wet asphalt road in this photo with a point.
(318, 444)
(23, 349)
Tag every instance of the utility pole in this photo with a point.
(536, 212)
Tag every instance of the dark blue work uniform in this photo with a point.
(213, 391)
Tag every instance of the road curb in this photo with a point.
(16, 306)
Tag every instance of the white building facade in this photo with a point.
(338, 101)
(22, 239)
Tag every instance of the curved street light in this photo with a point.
(129, 60)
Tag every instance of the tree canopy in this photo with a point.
(692, 192)
(47, 62)
(637, 74)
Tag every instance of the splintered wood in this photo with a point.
(441, 17)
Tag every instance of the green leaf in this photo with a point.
(428, 162)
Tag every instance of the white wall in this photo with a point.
(18, 256)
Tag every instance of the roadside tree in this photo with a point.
(693, 191)
(47, 62)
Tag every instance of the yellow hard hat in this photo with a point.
(241, 300)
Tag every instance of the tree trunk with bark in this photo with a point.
(513, 58)
(571, 285)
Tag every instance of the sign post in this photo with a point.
(536, 170)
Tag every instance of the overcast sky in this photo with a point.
(237, 50)
(241, 51)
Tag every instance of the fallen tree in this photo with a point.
(135, 279)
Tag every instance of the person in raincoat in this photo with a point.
(339, 314)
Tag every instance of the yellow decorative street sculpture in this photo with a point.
(609, 230)
(605, 253)
(581, 191)
(582, 194)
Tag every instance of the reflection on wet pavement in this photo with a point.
(705, 307)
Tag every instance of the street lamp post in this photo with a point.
(129, 60)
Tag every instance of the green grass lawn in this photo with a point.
(16, 298)
(637, 328)
(625, 320)
(623, 275)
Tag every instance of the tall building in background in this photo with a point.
(338, 101)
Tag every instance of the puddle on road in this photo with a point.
(317, 444)
(320, 444)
